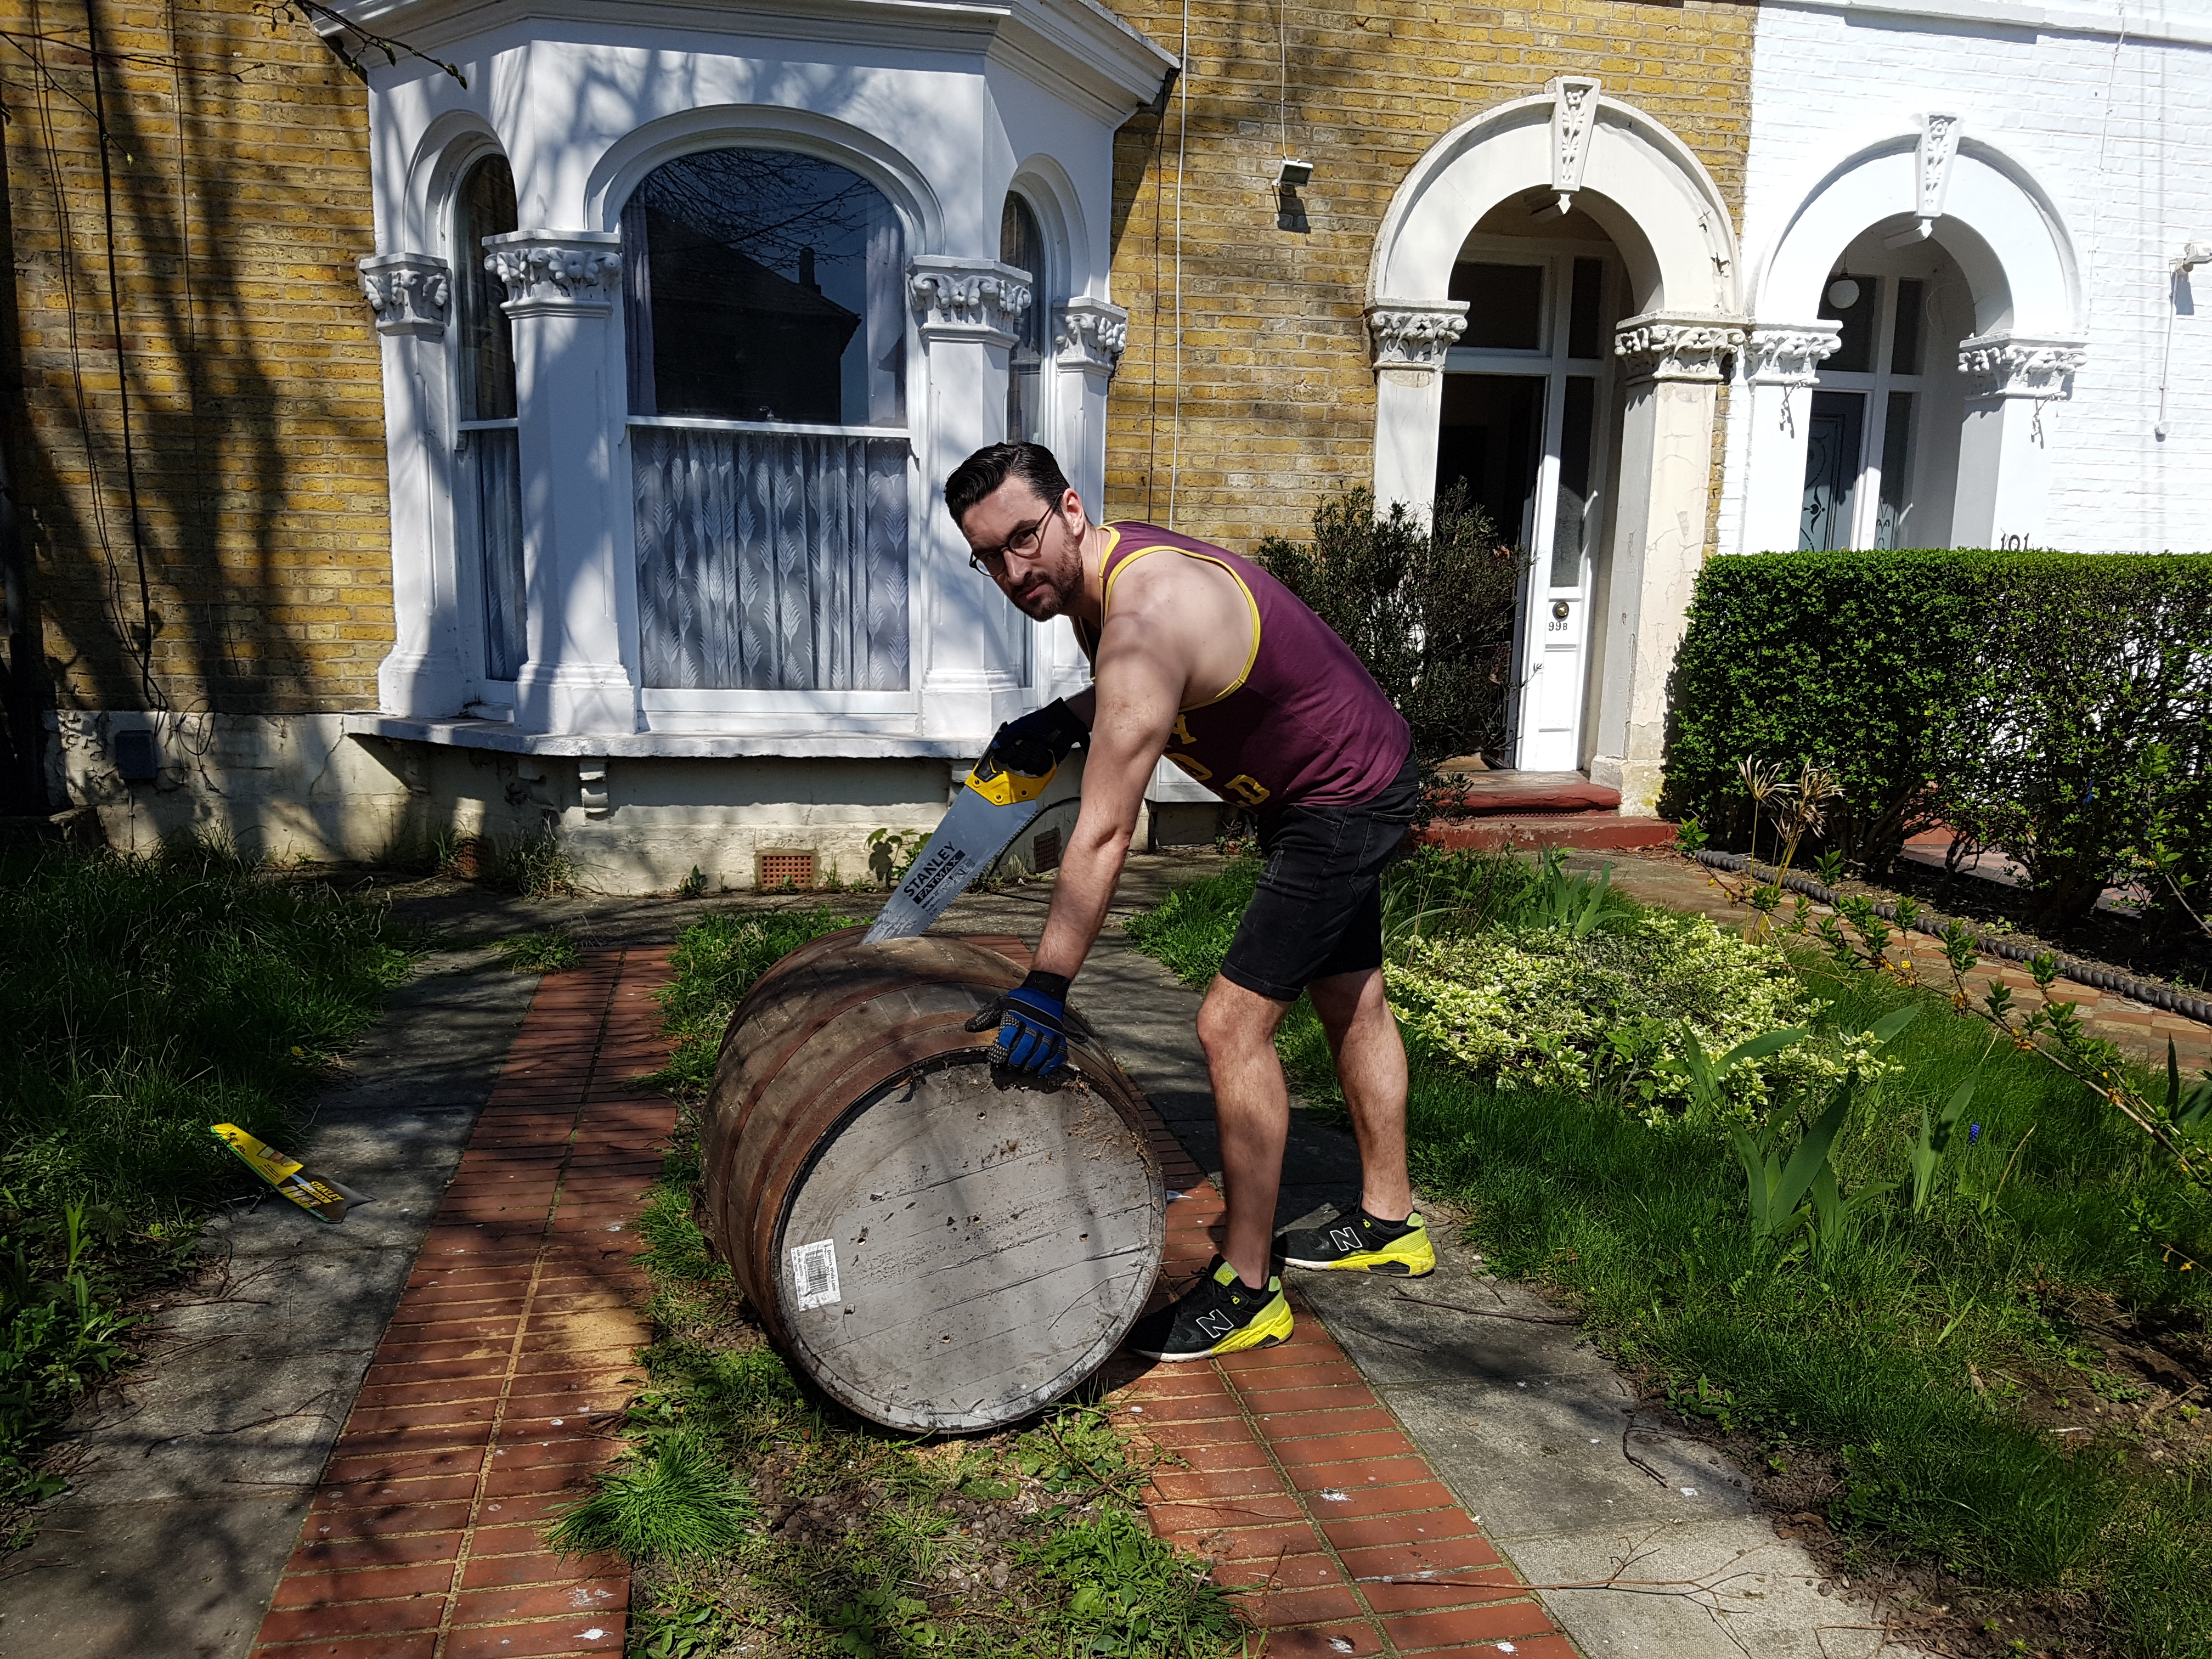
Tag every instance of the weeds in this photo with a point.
(717, 960)
(1920, 1346)
(673, 1497)
(144, 999)
(553, 951)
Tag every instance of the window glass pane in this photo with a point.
(1585, 331)
(761, 285)
(485, 207)
(1832, 469)
(493, 463)
(1021, 245)
(1905, 338)
(1505, 309)
(1890, 521)
(1855, 355)
(1490, 440)
(1571, 519)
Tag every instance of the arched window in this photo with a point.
(766, 328)
(491, 471)
(1021, 245)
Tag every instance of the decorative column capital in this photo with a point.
(551, 271)
(1788, 354)
(1667, 345)
(975, 298)
(1090, 334)
(2021, 365)
(1414, 333)
(408, 292)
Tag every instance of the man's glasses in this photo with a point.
(992, 561)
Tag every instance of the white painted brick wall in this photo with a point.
(2119, 133)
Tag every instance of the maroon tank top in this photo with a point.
(1304, 725)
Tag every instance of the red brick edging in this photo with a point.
(492, 1398)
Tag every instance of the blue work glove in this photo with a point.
(1032, 1037)
(1038, 741)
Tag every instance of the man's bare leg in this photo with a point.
(1371, 1064)
(1252, 1107)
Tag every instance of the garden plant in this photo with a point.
(145, 999)
(760, 1517)
(1936, 1291)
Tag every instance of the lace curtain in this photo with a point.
(771, 562)
(498, 465)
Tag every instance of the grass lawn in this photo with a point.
(1990, 1400)
(760, 1517)
(144, 999)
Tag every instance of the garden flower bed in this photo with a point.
(1965, 1354)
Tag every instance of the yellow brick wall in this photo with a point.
(1273, 408)
(238, 198)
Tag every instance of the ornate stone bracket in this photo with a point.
(408, 292)
(1664, 345)
(1788, 354)
(1090, 334)
(551, 271)
(1931, 176)
(1414, 333)
(2021, 365)
(955, 297)
(1574, 109)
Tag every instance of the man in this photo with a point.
(1200, 655)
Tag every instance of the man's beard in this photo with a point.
(1049, 592)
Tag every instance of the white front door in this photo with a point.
(1523, 429)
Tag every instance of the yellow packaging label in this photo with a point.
(318, 1198)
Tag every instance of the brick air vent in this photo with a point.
(785, 870)
(1044, 851)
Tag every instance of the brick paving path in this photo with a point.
(1304, 1488)
(485, 1408)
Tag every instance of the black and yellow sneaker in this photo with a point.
(1221, 1314)
(1360, 1243)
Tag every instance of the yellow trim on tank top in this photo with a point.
(1106, 603)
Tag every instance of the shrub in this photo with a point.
(2018, 697)
(1544, 1008)
(1429, 610)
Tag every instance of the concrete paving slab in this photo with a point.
(189, 1482)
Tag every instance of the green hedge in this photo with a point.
(2057, 707)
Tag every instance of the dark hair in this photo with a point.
(989, 467)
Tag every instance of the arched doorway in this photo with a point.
(1559, 275)
(1917, 318)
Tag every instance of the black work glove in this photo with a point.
(1031, 1021)
(1036, 743)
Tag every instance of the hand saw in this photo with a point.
(326, 1201)
(993, 807)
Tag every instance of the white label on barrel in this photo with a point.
(814, 1272)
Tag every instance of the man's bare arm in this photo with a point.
(1132, 710)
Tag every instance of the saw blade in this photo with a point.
(975, 831)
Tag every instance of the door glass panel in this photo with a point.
(1855, 355)
(1832, 469)
(1896, 472)
(1905, 338)
(1505, 306)
(1491, 440)
(1585, 331)
(1577, 439)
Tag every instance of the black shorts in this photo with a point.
(1318, 909)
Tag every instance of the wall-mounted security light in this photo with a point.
(2193, 254)
(1294, 174)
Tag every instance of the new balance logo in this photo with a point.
(1215, 1323)
(1344, 1239)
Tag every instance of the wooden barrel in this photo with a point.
(936, 1252)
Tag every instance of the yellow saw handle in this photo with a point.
(1003, 789)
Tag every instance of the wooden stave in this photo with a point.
(753, 1166)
